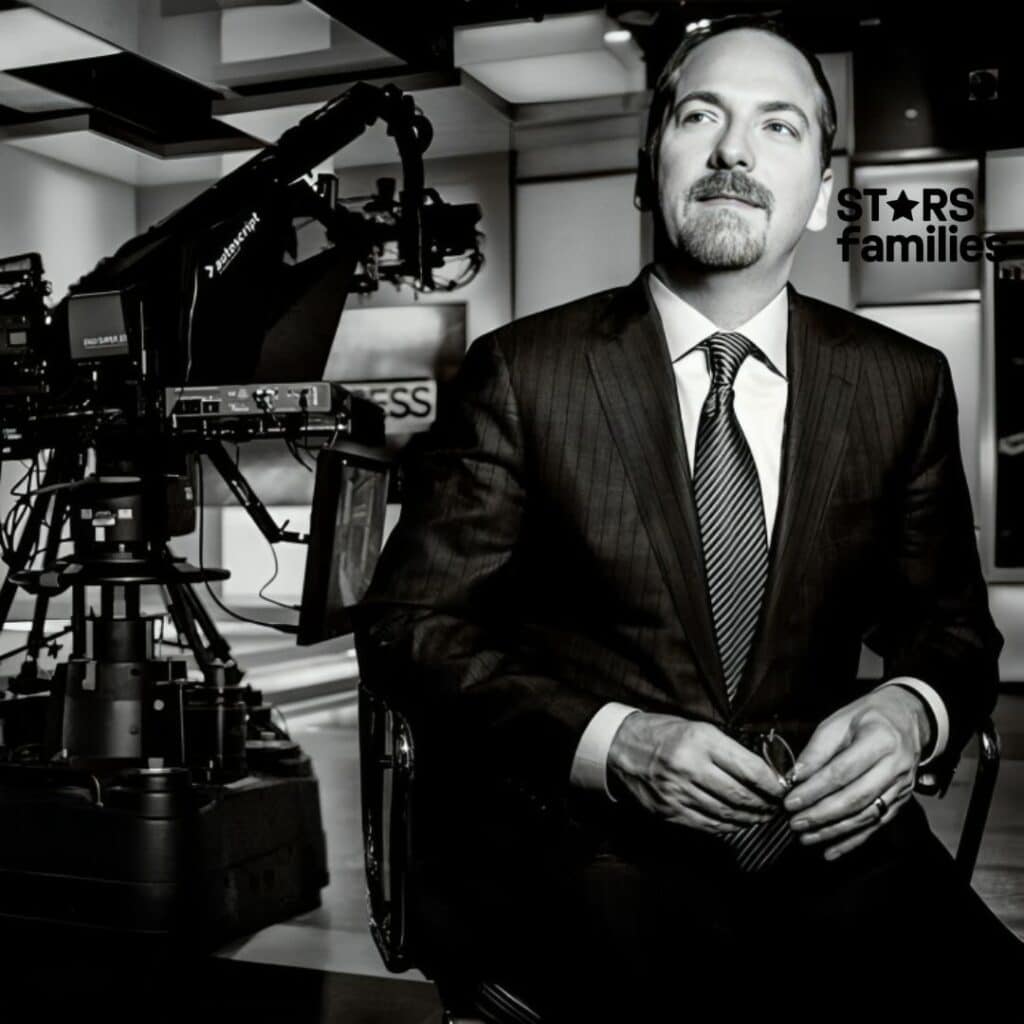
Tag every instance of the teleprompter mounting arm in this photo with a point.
(247, 497)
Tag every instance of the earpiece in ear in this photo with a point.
(643, 193)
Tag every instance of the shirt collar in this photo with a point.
(686, 327)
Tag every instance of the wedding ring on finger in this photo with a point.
(882, 807)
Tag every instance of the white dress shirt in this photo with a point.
(760, 392)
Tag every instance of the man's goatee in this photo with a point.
(720, 240)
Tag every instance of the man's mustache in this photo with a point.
(734, 185)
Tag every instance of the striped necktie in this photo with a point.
(735, 544)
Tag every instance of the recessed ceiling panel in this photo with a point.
(256, 33)
(93, 152)
(30, 99)
(140, 102)
(127, 86)
(28, 36)
(566, 76)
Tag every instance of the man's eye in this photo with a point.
(786, 128)
(693, 115)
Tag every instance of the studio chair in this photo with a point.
(387, 759)
(388, 777)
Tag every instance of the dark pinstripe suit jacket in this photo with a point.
(548, 556)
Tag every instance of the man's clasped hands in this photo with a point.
(857, 769)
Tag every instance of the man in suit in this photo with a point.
(644, 541)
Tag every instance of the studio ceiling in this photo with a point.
(158, 91)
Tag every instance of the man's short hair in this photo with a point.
(663, 99)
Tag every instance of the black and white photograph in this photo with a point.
(511, 512)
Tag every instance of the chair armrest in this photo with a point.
(989, 750)
(935, 780)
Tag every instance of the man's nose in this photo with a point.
(732, 148)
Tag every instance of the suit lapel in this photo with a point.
(633, 374)
(634, 379)
(822, 372)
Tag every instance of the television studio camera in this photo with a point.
(138, 797)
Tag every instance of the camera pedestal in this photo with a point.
(158, 858)
(139, 802)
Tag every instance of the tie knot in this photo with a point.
(728, 349)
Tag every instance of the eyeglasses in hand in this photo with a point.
(779, 756)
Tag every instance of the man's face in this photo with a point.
(739, 170)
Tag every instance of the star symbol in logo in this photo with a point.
(902, 207)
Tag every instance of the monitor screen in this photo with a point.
(345, 536)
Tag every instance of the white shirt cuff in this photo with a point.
(590, 763)
(929, 695)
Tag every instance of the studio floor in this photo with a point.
(323, 966)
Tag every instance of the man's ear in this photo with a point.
(819, 213)
(643, 193)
